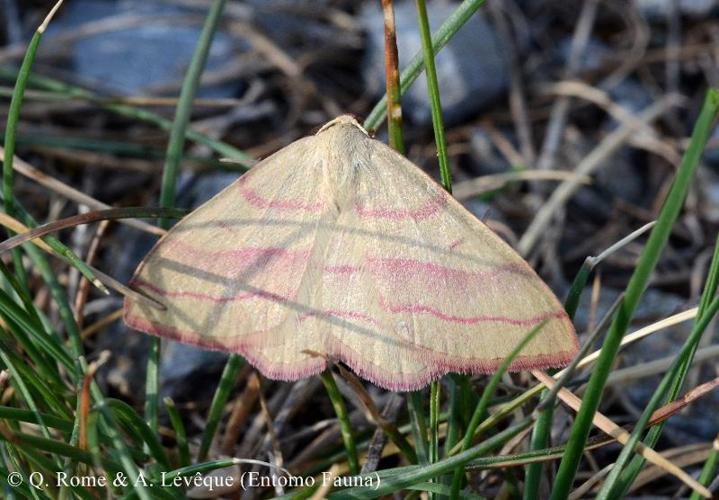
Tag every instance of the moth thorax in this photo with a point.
(345, 156)
(340, 174)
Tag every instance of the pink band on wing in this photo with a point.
(483, 318)
(259, 201)
(335, 313)
(231, 263)
(432, 207)
(414, 267)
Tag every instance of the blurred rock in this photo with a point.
(631, 95)
(472, 69)
(658, 10)
(623, 176)
(591, 204)
(189, 373)
(486, 156)
(592, 57)
(294, 25)
(708, 186)
(152, 54)
(711, 153)
(481, 209)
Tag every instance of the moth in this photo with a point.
(338, 247)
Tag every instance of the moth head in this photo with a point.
(347, 120)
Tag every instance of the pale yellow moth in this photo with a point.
(339, 245)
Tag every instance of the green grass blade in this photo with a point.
(180, 433)
(11, 131)
(682, 363)
(9, 142)
(42, 348)
(183, 112)
(434, 95)
(20, 415)
(612, 483)
(709, 471)
(480, 412)
(343, 418)
(18, 381)
(24, 326)
(51, 391)
(125, 459)
(539, 440)
(393, 97)
(16, 105)
(579, 284)
(434, 403)
(419, 426)
(438, 125)
(571, 303)
(456, 418)
(543, 425)
(637, 284)
(409, 476)
(134, 424)
(40, 323)
(59, 295)
(134, 113)
(222, 394)
(712, 283)
(12, 121)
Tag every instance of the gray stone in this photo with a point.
(658, 10)
(592, 58)
(486, 156)
(708, 186)
(189, 373)
(631, 95)
(472, 69)
(623, 176)
(711, 153)
(141, 56)
(623, 179)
